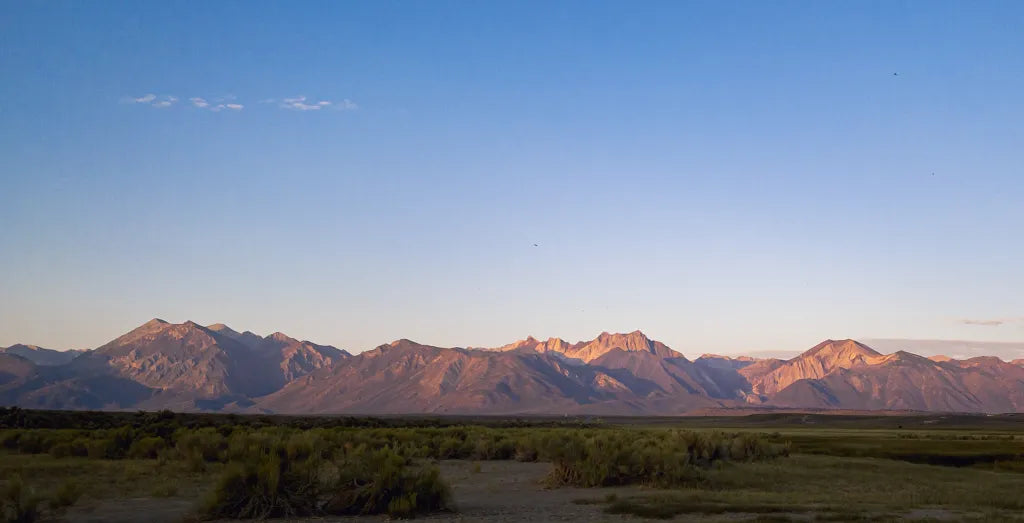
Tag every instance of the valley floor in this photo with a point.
(798, 488)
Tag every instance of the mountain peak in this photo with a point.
(605, 342)
(840, 348)
(281, 337)
(220, 327)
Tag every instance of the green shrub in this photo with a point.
(104, 448)
(291, 478)
(147, 448)
(664, 458)
(266, 486)
(20, 505)
(62, 450)
(382, 482)
(65, 495)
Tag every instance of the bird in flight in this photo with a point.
(535, 245)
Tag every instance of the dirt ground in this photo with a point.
(502, 491)
(491, 491)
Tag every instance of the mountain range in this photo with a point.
(190, 367)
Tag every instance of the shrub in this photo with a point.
(147, 448)
(65, 495)
(382, 482)
(20, 505)
(284, 479)
(262, 487)
(661, 459)
(62, 450)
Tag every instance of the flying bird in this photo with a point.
(535, 245)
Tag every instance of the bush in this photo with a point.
(20, 505)
(147, 448)
(289, 478)
(266, 486)
(382, 482)
(664, 459)
(65, 495)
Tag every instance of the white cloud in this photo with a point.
(298, 103)
(295, 103)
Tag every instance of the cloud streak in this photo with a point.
(299, 103)
(227, 103)
(993, 322)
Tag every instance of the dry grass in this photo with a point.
(834, 488)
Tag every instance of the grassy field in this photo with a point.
(104, 466)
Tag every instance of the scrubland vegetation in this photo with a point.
(238, 467)
(287, 471)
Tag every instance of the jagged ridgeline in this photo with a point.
(190, 367)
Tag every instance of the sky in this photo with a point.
(726, 176)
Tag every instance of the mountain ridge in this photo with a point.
(187, 366)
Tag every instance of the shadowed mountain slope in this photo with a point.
(41, 356)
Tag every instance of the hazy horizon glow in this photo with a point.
(727, 178)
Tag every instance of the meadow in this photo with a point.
(91, 466)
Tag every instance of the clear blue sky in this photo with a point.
(726, 176)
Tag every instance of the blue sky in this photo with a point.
(727, 177)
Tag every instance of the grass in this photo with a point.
(839, 468)
(833, 488)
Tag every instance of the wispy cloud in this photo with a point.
(144, 99)
(299, 103)
(166, 102)
(985, 323)
(993, 322)
(228, 103)
(231, 107)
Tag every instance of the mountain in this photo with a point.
(190, 367)
(41, 356)
(587, 351)
(957, 349)
(405, 376)
(14, 368)
(294, 358)
(819, 361)
(179, 366)
(905, 381)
